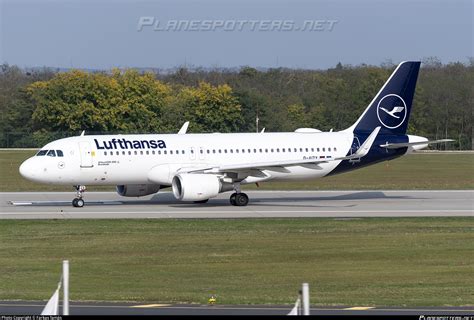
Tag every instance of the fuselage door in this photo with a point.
(86, 154)
(354, 147)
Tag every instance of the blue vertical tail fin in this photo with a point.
(391, 107)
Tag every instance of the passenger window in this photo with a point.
(296, 150)
(41, 153)
(105, 153)
(141, 152)
(225, 150)
(220, 151)
(312, 149)
(306, 149)
(164, 152)
(266, 150)
(329, 149)
(236, 150)
(182, 151)
(324, 149)
(213, 150)
(51, 153)
(317, 149)
(135, 152)
(335, 149)
(301, 149)
(208, 151)
(283, 150)
(59, 153)
(271, 150)
(130, 153)
(147, 152)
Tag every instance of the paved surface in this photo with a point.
(105, 308)
(263, 204)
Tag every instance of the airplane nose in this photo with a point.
(26, 169)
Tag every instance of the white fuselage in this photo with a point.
(110, 160)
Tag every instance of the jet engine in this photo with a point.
(137, 190)
(198, 187)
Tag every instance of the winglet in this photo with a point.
(364, 148)
(184, 128)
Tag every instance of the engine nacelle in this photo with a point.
(137, 190)
(197, 187)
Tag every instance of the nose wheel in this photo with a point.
(78, 202)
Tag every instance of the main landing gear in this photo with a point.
(239, 198)
(78, 202)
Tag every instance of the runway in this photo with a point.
(263, 204)
(106, 308)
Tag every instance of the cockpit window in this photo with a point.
(59, 153)
(51, 153)
(42, 152)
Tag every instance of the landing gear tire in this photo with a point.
(239, 199)
(232, 199)
(78, 203)
(202, 201)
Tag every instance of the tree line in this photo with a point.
(44, 104)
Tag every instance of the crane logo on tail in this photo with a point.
(391, 111)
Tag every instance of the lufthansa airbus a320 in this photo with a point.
(200, 166)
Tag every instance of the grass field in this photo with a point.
(393, 262)
(418, 171)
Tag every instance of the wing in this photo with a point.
(281, 166)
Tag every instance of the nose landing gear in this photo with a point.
(78, 202)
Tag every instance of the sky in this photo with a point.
(103, 34)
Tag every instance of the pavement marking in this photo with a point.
(359, 308)
(156, 305)
(221, 212)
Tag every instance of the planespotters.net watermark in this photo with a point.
(155, 24)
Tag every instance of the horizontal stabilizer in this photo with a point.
(364, 148)
(410, 144)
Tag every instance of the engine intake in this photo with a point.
(197, 187)
(137, 190)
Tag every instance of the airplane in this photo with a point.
(198, 167)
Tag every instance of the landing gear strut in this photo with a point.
(239, 198)
(78, 202)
